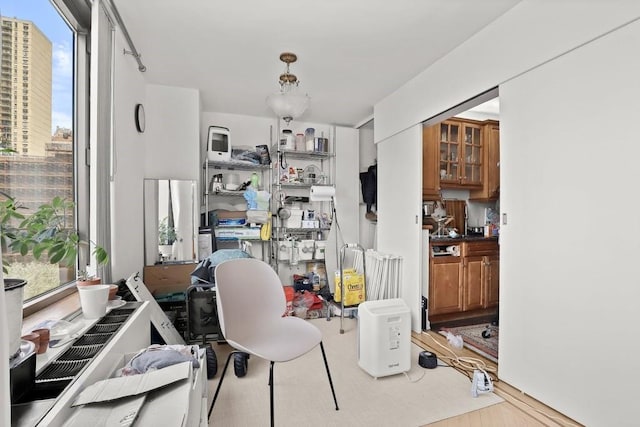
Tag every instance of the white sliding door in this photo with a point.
(569, 251)
(399, 210)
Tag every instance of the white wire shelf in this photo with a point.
(234, 165)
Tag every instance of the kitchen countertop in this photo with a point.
(470, 238)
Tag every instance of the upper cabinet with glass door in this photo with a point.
(460, 154)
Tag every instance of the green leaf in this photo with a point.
(24, 249)
(101, 255)
(56, 256)
(37, 251)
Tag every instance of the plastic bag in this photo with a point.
(353, 287)
(455, 341)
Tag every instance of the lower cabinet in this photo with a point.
(465, 283)
(445, 285)
(493, 280)
(474, 278)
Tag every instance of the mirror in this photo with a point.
(170, 221)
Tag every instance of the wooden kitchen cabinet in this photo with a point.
(430, 177)
(474, 278)
(481, 274)
(467, 283)
(493, 280)
(445, 285)
(460, 153)
(491, 163)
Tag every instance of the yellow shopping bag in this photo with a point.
(353, 287)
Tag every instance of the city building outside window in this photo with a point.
(42, 164)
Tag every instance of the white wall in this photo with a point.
(400, 211)
(172, 135)
(347, 190)
(167, 149)
(527, 35)
(127, 244)
(537, 322)
(566, 286)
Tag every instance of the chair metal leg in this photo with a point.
(326, 365)
(271, 392)
(224, 371)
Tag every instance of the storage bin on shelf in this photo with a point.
(306, 249)
(284, 250)
(294, 220)
(288, 250)
(320, 248)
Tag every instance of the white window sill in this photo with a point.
(51, 306)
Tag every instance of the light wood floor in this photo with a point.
(518, 409)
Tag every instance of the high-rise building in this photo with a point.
(25, 87)
(42, 166)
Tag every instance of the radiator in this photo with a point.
(383, 274)
(94, 356)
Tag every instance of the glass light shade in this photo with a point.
(289, 104)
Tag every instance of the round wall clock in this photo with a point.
(140, 120)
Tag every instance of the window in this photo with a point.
(43, 165)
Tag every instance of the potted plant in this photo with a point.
(166, 237)
(83, 278)
(46, 232)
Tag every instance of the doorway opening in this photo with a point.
(461, 199)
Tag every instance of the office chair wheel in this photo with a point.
(487, 332)
(240, 364)
(212, 362)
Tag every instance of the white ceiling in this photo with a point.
(351, 53)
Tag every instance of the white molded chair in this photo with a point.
(251, 304)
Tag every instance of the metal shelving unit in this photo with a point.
(326, 164)
(211, 168)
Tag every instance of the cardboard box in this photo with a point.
(167, 396)
(133, 385)
(225, 214)
(168, 278)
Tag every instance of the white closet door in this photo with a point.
(399, 215)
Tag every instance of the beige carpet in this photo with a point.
(303, 396)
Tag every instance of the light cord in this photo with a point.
(469, 364)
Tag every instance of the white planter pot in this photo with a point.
(14, 293)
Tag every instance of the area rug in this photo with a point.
(474, 341)
(303, 396)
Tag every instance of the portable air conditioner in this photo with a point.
(384, 337)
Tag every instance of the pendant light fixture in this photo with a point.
(289, 103)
